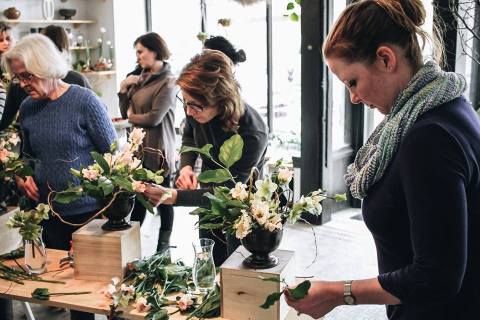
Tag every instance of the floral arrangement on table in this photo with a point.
(155, 283)
(113, 173)
(28, 222)
(264, 204)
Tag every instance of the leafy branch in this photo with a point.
(297, 293)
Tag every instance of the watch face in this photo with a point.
(349, 300)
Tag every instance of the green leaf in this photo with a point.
(294, 17)
(145, 203)
(216, 176)
(271, 299)
(106, 186)
(299, 2)
(205, 150)
(25, 171)
(122, 183)
(290, 6)
(211, 226)
(340, 197)
(231, 150)
(300, 291)
(66, 197)
(41, 294)
(101, 161)
(199, 211)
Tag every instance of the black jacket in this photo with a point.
(253, 131)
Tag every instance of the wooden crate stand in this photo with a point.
(100, 255)
(243, 291)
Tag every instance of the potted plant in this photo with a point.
(116, 178)
(257, 212)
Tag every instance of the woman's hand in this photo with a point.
(154, 194)
(127, 82)
(187, 179)
(28, 187)
(322, 298)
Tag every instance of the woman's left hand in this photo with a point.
(322, 297)
(154, 194)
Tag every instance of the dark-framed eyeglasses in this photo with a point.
(190, 104)
(24, 76)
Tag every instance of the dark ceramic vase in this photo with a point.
(261, 243)
(121, 207)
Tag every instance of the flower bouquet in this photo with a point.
(10, 163)
(116, 178)
(257, 212)
(28, 224)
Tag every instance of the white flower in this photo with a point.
(265, 188)
(138, 186)
(260, 211)
(274, 222)
(14, 139)
(135, 163)
(115, 280)
(284, 175)
(243, 225)
(185, 302)
(90, 174)
(136, 136)
(111, 159)
(127, 289)
(317, 197)
(141, 305)
(239, 192)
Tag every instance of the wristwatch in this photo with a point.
(348, 297)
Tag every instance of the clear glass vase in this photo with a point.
(203, 266)
(35, 255)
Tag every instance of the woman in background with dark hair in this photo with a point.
(16, 94)
(147, 100)
(221, 44)
(6, 42)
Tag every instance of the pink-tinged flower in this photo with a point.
(185, 302)
(135, 163)
(90, 174)
(239, 192)
(243, 225)
(141, 305)
(284, 175)
(136, 136)
(5, 155)
(110, 291)
(127, 289)
(138, 186)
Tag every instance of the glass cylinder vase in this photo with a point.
(203, 266)
(35, 255)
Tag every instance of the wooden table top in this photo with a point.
(95, 302)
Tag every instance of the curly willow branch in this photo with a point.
(56, 214)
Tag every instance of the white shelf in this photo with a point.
(99, 73)
(39, 21)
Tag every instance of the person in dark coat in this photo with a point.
(418, 173)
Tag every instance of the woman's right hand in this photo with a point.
(127, 82)
(187, 179)
(28, 187)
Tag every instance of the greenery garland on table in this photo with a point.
(150, 282)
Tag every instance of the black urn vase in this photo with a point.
(261, 243)
(121, 207)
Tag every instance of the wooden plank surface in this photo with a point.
(95, 302)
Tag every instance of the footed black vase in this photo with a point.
(260, 243)
(121, 207)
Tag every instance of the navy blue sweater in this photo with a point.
(424, 215)
(59, 135)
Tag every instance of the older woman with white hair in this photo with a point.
(61, 124)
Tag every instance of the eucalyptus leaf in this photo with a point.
(300, 291)
(216, 176)
(231, 150)
(101, 161)
(271, 299)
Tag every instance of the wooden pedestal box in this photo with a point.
(243, 291)
(101, 255)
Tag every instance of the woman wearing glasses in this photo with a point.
(61, 124)
(147, 100)
(215, 111)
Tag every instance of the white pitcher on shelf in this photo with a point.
(48, 9)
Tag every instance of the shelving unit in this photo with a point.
(42, 21)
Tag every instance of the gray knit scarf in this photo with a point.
(429, 88)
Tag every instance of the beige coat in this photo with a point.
(153, 108)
